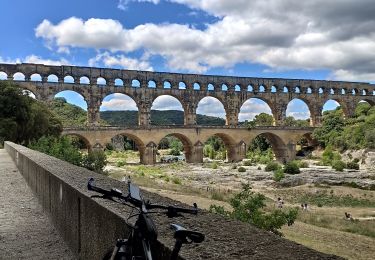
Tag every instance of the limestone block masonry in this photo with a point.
(91, 226)
(94, 84)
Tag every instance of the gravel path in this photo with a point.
(25, 230)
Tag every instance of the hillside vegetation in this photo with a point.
(72, 115)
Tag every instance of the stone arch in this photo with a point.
(302, 104)
(84, 80)
(210, 87)
(246, 111)
(285, 89)
(369, 101)
(224, 87)
(197, 86)
(262, 88)
(101, 81)
(167, 84)
(135, 83)
(69, 79)
(237, 88)
(278, 147)
(250, 88)
(187, 145)
(119, 102)
(309, 90)
(119, 82)
(36, 77)
(210, 106)
(52, 78)
(73, 97)
(174, 103)
(151, 84)
(181, 85)
(3, 75)
(332, 104)
(230, 146)
(139, 144)
(89, 146)
(19, 76)
(273, 89)
(29, 93)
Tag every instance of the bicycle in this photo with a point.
(144, 233)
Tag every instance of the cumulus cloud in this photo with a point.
(253, 107)
(211, 106)
(118, 101)
(166, 103)
(336, 35)
(120, 60)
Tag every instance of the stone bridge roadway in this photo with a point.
(283, 139)
(25, 229)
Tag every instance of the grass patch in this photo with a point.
(365, 228)
(322, 198)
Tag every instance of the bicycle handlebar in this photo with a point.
(136, 200)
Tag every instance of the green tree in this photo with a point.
(291, 121)
(263, 119)
(248, 206)
(332, 127)
(22, 118)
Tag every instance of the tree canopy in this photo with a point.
(22, 118)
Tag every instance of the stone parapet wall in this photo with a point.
(91, 226)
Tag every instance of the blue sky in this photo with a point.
(261, 38)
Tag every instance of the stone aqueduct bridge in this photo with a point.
(232, 92)
(282, 139)
(94, 84)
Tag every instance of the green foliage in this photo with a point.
(214, 165)
(302, 164)
(352, 165)
(241, 169)
(95, 161)
(247, 163)
(291, 121)
(338, 165)
(168, 117)
(214, 148)
(351, 133)
(176, 147)
(272, 166)
(176, 180)
(291, 167)
(278, 175)
(68, 114)
(248, 207)
(59, 147)
(23, 119)
(329, 156)
(120, 163)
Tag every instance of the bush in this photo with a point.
(241, 169)
(272, 166)
(278, 175)
(302, 164)
(291, 167)
(214, 165)
(95, 161)
(248, 206)
(338, 165)
(176, 180)
(120, 163)
(247, 163)
(352, 165)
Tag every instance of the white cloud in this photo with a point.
(120, 60)
(122, 4)
(253, 107)
(210, 106)
(118, 101)
(336, 35)
(166, 103)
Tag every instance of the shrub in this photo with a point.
(95, 160)
(241, 169)
(214, 165)
(272, 166)
(176, 180)
(120, 163)
(247, 163)
(338, 165)
(278, 175)
(259, 168)
(248, 207)
(302, 164)
(291, 168)
(352, 165)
